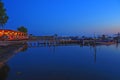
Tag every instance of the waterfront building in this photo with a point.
(6, 34)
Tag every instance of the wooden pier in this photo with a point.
(54, 42)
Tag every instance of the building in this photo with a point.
(6, 34)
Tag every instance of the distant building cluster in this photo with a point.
(102, 38)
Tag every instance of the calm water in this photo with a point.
(67, 62)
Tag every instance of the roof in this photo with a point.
(10, 30)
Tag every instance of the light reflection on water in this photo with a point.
(60, 62)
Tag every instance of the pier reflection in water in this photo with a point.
(60, 63)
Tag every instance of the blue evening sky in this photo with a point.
(64, 17)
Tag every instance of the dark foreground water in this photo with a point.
(68, 62)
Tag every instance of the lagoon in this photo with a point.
(64, 62)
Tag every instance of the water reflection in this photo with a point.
(95, 50)
(4, 71)
(66, 59)
(6, 53)
(37, 44)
